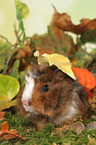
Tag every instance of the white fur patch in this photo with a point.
(69, 114)
(28, 90)
(72, 110)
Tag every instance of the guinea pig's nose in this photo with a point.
(25, 102)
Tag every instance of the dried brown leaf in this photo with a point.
(9, 136)
(2, 114)
(12, 131)
(5, 126)
(1, 133)
(63, 21)
(12, 136)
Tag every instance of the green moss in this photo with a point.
(47, 136)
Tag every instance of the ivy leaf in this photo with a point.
(22, 10)
(9, 87)
(4, 47)
(7, 104)
(60, 61)
(22, 78)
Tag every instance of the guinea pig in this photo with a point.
(51, 96)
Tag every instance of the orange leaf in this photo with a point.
(2, 114)
(91, 94)
(18, 136)
(12, 131)
(2, 132)
(9, 136)
(5, 126)
(85, 77)
(13, 135)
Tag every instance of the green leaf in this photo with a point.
(7, 104)
(55, 41)
(22, 78)
(88, 36)
(15, 72)
(4, 47)
(22, 10)
(9, 87)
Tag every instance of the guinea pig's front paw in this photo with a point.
(38, 121)
(40, 125)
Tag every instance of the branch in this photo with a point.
(6, 39)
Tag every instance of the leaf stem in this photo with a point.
(6, 66)
(6, 39)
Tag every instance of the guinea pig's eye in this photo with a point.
(46, 88)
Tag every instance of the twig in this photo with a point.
(13, 50)
(6, 66)
(6, 39)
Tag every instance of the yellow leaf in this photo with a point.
(7, 104)
(60, 61)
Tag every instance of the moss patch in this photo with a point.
(49, 135)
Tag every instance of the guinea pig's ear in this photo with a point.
(35, 69)
(54, 67)
(43, 66)
(34, 65)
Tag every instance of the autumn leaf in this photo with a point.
(11, 134)
(22, 58)
(2, 114)
(5, 126)
(55, 41)
(63, 21)
(7, 104)
(12, 131)
(9, 87)
(90, 94)
(60, 61)
(85, 77)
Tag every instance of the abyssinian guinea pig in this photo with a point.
(50, 95)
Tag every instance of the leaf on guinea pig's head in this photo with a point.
(59, 60)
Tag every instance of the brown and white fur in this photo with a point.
(52, 96)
